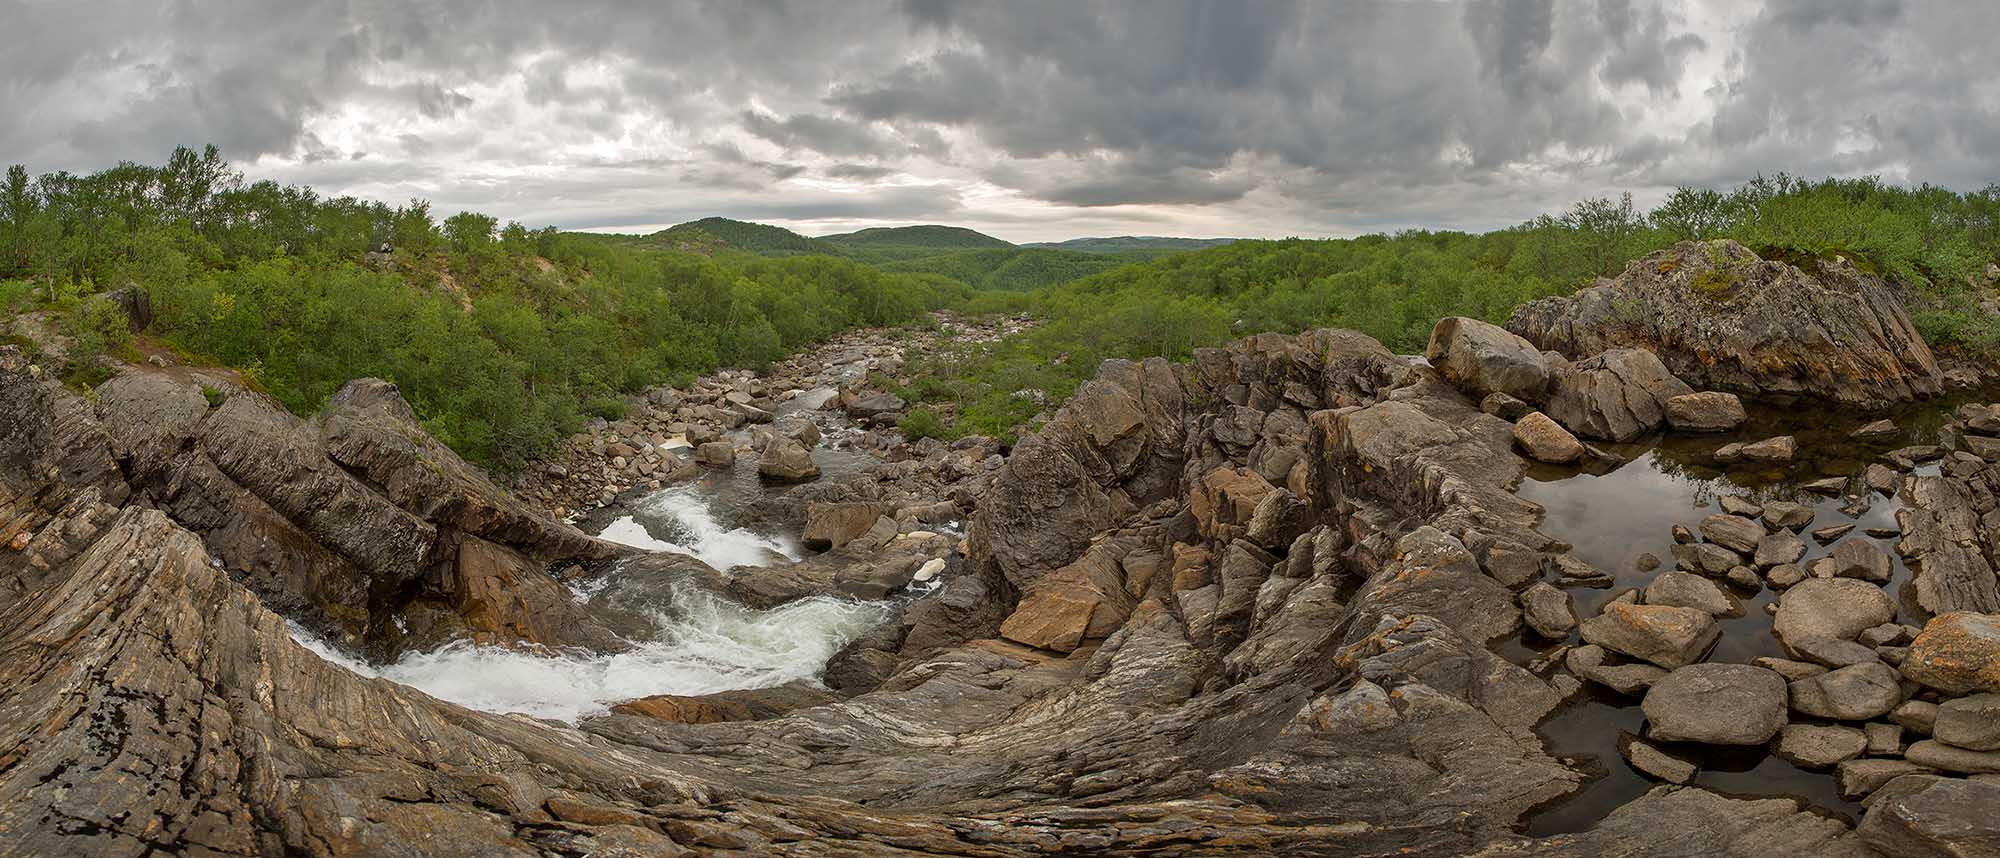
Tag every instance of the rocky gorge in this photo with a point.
(1553, 589)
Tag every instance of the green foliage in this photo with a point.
(504, 340)
(1145, 245)
(929, 236)
(1012, 269)
(214, 395)
(757, 238)
(921, 423)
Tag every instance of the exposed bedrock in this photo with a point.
(1241, 606)
(1722, 318)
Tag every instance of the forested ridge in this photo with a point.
(506, 338)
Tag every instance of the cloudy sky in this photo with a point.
(1029, 120)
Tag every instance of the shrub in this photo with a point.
(920, 423)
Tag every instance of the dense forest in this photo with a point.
(506, 338)
(1935, 242)
(503, 338)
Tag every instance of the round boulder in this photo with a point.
(1837, 608)
(1546, 441)
(1716, 704)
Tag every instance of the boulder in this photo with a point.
(1855, 693)
(785, 460)
(1482, 358)
(1859, 559)
(1505, 407)
(1587, 662)
(1787, 515)
(1707, 411)
(718, 454)
(1777, 549)
(1716, 704)
(1951, 758)
(1925, 816)
(832, 525)
(1053, 617)
(1655, 762)
(1858, 778)
(1838, 608)
(1690, 591)
(1546, 441)
(1969, 722)
(1957, 653)
(1722, 318)
(1547, 610)
(1619, 395)
(1783, 448)
(1819, 746)
(1665, 635)
(1733, 532)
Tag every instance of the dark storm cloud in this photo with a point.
(1302, 115)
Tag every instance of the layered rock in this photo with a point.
(1722, 318)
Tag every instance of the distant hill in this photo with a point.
(1013, 269)
(758, 238)
(1154, 244)
(927, 235)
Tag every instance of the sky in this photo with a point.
(1027, 120)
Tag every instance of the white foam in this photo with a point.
(705, 538)
(711, 645)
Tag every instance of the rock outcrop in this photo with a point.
(1721, 318)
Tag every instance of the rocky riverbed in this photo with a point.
(1297, 596)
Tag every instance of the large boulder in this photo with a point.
(785, 460)
(1957, 653)
(1837, 608)
(1667, 635)
(1619, 395)
(1545, 440)
(1482, 358)
(1925, 816)
(1708, 411)
(1854, 693)
(1716, 704)
(1722, 318)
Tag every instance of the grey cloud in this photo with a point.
(829, 135)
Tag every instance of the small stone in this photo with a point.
(1788, 515)
(1733, 532)
(929, 570)
(1877, 429)
(1655, 762)
(1826, 535)
(1784, 575)
(1576, 573)
(1505, 407)
(1690, 591)
(1828, 486)
(1549, 611)
(1780, 449)
(1884, 740)
(1916, 716)
(1819, 746)
(1858, 778)
(1970, 722)
(1744, 577)
(1856, 693)
(1857, 559)
(1682, 535)
(1789, 669)
(1881, 478)
(1886, 634)
(1779, 548)
(1832, 652)
(1630, 679)
(1938, 755)
(1735, 505)
(1646, 562)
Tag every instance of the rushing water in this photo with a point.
(1615, 517)
(680, 520)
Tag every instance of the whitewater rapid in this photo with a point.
(704, 644)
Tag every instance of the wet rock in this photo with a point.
(785, 460)
(1588, 662)
(1619, 395)
(1779, 548)
(1784, 575)
(1708, 411)
(1716, 704)
(1735, 505)
(1921, 816)
(832, 525)
(1828, 486)
(1733, 532)
(1819, 746)
(1858, 778)
(1948, 758)
(1969, 722)
(1783, 448)
(1655, 762)
(1706, 557)
(1957, 653)
(1545, 441)
(1549, 611)
(1665, 635)
(1878, 429)
(1834, 332)
(1573, 572)
(1690, 591)
(1855, 693)
(1837, 608)
(1825, 535)
(755, 704)
(717, 454)
(1744, 577)
(1857, 559)
(1483, 358)
(1512, 564)
(1683, 535)
(1787, 515)
(1882, 479)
